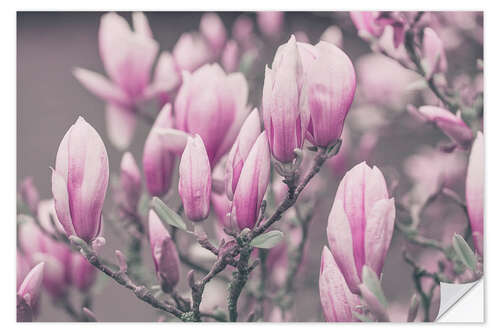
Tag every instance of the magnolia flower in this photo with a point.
(213, 105)
(130, 181)
(80, 181)
(361, 223)
(474, 191)
(251, 186)
(285, 120)
(165, 256)
(157, 160)
(195, 181)
(328, 91)
(433, 54)
(128, 57)
(452, 125)
(270, 23)
(337, 301)
(28, 293)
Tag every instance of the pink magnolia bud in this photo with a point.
(130, 180)
(332, 35)
(328, 90)
(474, 191)
(191, 52)
(222, 207)
(270, 23)
(214, 31)
(195, 180)
(80, 181)
(30, 195)
(433, 54)
(452, 125)
(83, 274)
(337, 301)
(213, 105)
(28, 293)
(230, 57)
(165, 256)
(157, 160)
(361, 223)
(252, 185)
(284, 119)
(366, 23)
(249, 133)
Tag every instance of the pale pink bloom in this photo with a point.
(230, 58)
(285, 120)
(165, 256)
(130, 181)
(214, 31)
(250, 131)
(80, 180)
(270, 23)
(195, 180)
(212, 104)
(29, 194)
(382, 89)
(337, 301)
(157, 160)
(433, 53)
(191, 52)
(328, 91)
(474, 191)
(83, 274)
(29, 292)
(361, 222)
(222, 207)
(451, 124)
(252, 185)
(128, 57)
(332, 35)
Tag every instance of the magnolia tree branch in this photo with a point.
(141, 292)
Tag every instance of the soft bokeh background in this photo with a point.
(49, 100)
